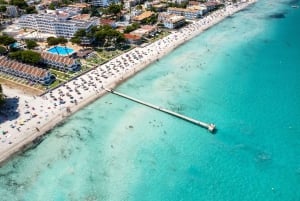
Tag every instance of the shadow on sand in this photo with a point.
(8, 111)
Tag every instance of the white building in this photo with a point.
(188, 13)
(102, 3)
(171, 21)
(174, 21)
(59, 25)
(25, 71)
(60, 62)
(12, 11)
(129, 3)
(179, 1)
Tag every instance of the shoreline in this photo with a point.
(113, 76)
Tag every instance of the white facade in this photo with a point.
(187, 13)
(12, 11)
(179, 1)
(53, 24)
(25, 71)
(103, 3)
(60, 62)
(174, 22)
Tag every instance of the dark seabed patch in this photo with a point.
(65, 153)
(84, 118)
(6, 174)
(35, 143)
(277, 16)
(293, 2)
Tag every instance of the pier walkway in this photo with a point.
(211, 127)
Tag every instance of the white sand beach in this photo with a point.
(39, 114)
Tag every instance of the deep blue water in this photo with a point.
(242, 75)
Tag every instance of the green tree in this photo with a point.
(95, 12)
(51, 6)
(79, 34)
(6, 40)
(31, 44)
(178, 5)
(85, 10)
(62, 40)
(76, 40)
(3, 50)
(106, 35)
(66, 2)
(53, 41)
(2, 8)
(31, 10)
(114, 8)
(150, 20)
(139, 7)
(26, 56)
(131, 28)
(19, 3)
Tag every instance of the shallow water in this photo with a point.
(241, 75)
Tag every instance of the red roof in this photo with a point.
(57, 58)
(132, 37)
(107, 21)
(22, 68)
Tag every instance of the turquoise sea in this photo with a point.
(243, 75)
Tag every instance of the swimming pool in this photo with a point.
(63, 51)
(15, 45)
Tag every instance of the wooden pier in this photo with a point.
(211, 127)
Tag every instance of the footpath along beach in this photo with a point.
(37, 115)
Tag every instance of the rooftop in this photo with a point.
(175, 18)
(143, 16)
(21, 67)
(82, 17)
(57, 58)
(132, 37)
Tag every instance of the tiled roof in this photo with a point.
(143, 16)
(57, 58)
(211, 3)
(176, 9)
(107, 21)
(81, 17)
(22, 68)
(175, 18)
(193, 3)
(132, 37)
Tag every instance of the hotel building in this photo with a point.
(60, 25)
(174, 22)
(60, 62)
(25, 71)
(187, 13)
(12, 11)
(102, 3)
